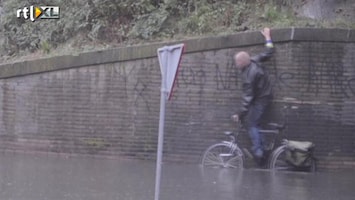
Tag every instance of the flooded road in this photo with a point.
(29, 177)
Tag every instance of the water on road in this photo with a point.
(29, 177)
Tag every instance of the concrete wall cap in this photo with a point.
(192, 45)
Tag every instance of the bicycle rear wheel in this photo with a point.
(223, 155)
(313, 167)
(279, 162)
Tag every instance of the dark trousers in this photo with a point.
(253, 122)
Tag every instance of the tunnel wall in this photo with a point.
(106, 103)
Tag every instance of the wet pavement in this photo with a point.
(29, 177)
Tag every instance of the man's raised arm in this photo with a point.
(269, 47)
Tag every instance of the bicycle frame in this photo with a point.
(235, 153)
(274, 132)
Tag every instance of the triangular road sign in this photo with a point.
(169, 60)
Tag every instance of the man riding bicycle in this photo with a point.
(257, 92)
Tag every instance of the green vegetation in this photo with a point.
(99, 24)
(95, 142)
(46, 47)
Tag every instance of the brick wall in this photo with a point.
(107, 103)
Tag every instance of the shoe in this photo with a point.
(261, 160)
(258, 153)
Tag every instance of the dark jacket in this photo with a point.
(256, 84)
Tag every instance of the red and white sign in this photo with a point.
(169, 60)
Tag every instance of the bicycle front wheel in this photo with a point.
(223, 155)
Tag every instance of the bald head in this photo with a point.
(242, 59)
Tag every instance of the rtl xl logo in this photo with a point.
(38, 12)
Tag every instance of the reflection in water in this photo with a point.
(296, 186)
(28, 177)
(227, 182)
(264, 184)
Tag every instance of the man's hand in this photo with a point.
(235, 118)
(266, 33)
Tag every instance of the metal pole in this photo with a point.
(163, 96)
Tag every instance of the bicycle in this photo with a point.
(290, 155)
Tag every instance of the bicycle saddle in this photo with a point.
(276, 126)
